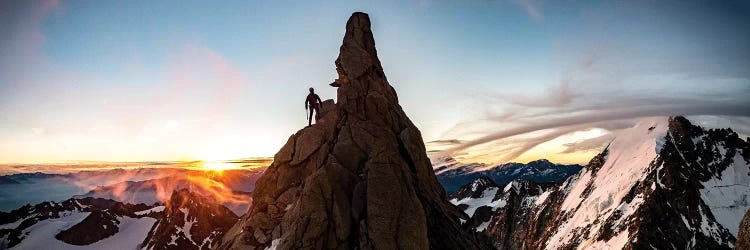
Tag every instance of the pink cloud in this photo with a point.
(23, 39)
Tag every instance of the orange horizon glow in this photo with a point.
(76, 166)
(497, 153)
(217, 166)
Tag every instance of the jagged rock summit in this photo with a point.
(190, 221)
(359, 178)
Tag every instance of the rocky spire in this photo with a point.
(359, 178)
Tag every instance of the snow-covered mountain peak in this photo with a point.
(513, 185)
(627, 158)
(190, 221)
(482, 182)
(662, 184)
(455, 175)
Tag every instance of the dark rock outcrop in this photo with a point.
(190, 221)
(359, 178)
(96, 226)
(743, 238)
(493, 208)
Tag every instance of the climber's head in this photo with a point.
(312, 90)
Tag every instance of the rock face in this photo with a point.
(359, 178)
(190, 221)
(483, 201)
(743, 237)
(98, 225)
(662, 184)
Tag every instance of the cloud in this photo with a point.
(531, 7)
(21, 38)
(591, 144)
(610, 79)
(607, 90)
(444, 142)
(527, 144)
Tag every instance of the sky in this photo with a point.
(490, 81)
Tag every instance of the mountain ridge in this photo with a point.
(453, 174)
(189, 221)
(662, 179)
(81, 221)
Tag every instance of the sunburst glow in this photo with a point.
(217, 166)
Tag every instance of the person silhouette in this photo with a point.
(315, 105)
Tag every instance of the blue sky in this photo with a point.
(170, 80)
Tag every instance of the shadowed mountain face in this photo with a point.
(359, 178)
(190, 221)
(453, 174)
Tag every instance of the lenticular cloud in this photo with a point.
(578, 104)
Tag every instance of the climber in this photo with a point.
(315, 105)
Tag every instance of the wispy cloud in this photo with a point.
(611, 81)
(21, 36)
(531, 7)
(607, 93)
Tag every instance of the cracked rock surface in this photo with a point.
(743, 238)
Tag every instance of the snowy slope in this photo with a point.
(630, 154)
(663, 184)
(481, 192)
(42, 235)
(727, 195)
(87, 223)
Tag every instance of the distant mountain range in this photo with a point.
(187, 220)
(137, 185)
(662, 179)
(453, 174)
(234, 186)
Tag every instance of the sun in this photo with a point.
(217, 166)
